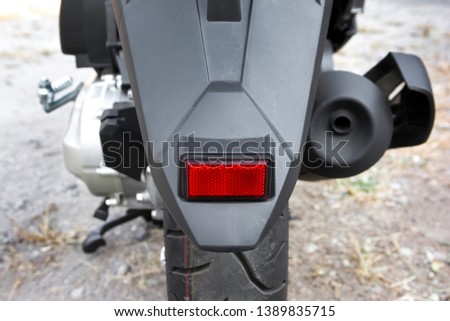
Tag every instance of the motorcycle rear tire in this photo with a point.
(196, 275)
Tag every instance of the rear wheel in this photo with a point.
(259, 274)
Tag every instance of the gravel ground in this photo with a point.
(383, 235)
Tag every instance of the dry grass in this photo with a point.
(26, 55)
(366, 263)
(8, 16)
(14, 288)
(38, 232)
(384, 259)
(426, 30)
(42, 231)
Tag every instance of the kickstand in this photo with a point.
(95, 238)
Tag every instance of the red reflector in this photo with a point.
(236, 180)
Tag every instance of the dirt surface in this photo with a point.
(384, 235)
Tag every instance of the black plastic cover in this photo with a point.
(351, 127)
(224, 10)
(84, 30)
(343, 21)
(123, 149)
(413, 107)
(71, 27)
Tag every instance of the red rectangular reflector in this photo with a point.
(226, 180)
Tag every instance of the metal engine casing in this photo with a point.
(82, 147)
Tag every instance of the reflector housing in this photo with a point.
(227, 180)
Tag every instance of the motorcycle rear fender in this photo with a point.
(223, 77)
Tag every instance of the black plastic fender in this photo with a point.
(225, 80)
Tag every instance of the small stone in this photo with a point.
(46, 249)
(336, 206)
(346, 263)
(35, 254)
(368, 246)
(434, 297)
(7, 206)
(311, 248)
(335, 242)
(403, 200)
(436, 266)
(36, 143)
(390, 204)
(406, 252)
(71, 186)
(141, 234)
(77, 293)
(395, 186)
(434, 183)
(318, 272)
(430, 256)
(20, 205)
(72, 193)
(443, 126)
(417, 159)
(296, 203)
(123, 270)
(8, 238)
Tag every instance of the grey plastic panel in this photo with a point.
(279, 68)
(224, 81)
(169, 70)
(224, 45)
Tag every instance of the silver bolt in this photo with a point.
(143, 197)
(158, 215)
(130, 94)
(112, 202)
